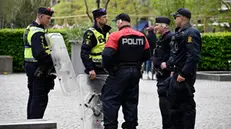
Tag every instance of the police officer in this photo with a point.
(186, 47)
(123, 55)
(38, 63)
(162, 54)
(94, 40)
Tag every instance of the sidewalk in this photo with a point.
(213, 104)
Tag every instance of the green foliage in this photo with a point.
(19, 13)
(72, 8)
(11, 43)
(133, 7)
(77, 32)
(216, 47)
(216, 51)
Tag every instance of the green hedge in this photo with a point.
(11, 43)
(216, 51)
(216, 47)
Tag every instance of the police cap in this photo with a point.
(99, 12)
(46, 11)
(164, 20)
(182, 12)
(123, 17)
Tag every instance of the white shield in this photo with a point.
(92, 105)
(62, 63)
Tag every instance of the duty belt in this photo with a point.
(129, 64)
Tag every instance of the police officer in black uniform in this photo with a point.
(123, 55)
(186, 47)
(162, 54)
(38, 64)
(94, 40)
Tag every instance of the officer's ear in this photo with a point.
(97, 19)
(40, 16)
(185, 18)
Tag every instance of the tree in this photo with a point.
(87, 9)
(98, 2)
(19, 13)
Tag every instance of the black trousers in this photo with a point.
(121, 89)
(164, 104)
(38, 92)
(183, 106)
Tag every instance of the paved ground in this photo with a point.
(213, 104)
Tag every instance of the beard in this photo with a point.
(102, 23)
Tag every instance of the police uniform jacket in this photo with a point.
(39, 47)
(162, 53)
(89, 42)
(185, 52)
(125, 47)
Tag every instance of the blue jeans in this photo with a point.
(148, 66)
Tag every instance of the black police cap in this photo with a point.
(46, 11)
(123, 17)
(182, 12)
(163, 20)
(99, 12)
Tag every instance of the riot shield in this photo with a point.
(62, 63)
(92, 105)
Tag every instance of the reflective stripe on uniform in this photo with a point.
(97, 59)
(28, 55)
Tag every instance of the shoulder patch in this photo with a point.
(189, 39)
(87, 41)
(89, 34)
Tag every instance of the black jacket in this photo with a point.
(38, 51)
(185, 52)
(162, 53)
(126, 47)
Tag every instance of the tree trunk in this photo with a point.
(106, 4)
(98, 3)
(87, 11)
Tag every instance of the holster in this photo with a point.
(40, 72)
(43, 73)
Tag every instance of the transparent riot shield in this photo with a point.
(92, 105)
(62, 63)
(64, 69)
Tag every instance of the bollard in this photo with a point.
(6, 64)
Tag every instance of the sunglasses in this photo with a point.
(176, 14)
